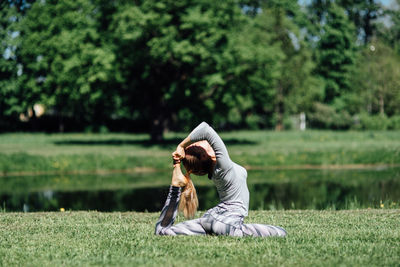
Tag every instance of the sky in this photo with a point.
(386, 2)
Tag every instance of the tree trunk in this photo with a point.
(279, 124)
(367, 27)
(157, 131)
(279, 110)
(60, 126)
(381, 104)
(33, 119)
(158, 125)
(60, 123)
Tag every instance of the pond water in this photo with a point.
(272, 189)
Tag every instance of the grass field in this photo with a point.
(315, 238)
(61, 153)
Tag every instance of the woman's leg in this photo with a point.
(229, 222)
(164, 225)
(261, 230)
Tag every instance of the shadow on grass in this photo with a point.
(145, 143)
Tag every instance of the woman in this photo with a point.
(230, 180)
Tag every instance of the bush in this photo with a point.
(253, 121)
(290, 122)
(326, 117)
(394, 123)
(372, 122)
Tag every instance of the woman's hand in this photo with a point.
(179, 153)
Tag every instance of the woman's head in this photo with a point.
(199, 158)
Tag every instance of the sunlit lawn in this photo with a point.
(315, 238)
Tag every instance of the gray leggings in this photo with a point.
(220, 220)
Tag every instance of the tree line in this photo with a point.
(150, 65)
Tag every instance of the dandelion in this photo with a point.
(382, 205)
(62, 209)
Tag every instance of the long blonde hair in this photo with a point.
(189, 201)
(193, 164)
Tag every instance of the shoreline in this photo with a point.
(139, 170)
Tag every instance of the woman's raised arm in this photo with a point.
(206, 132)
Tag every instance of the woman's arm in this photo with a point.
(205, 132)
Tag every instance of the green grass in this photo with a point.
(315, 238)
(63, 153)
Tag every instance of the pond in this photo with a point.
(272, 189)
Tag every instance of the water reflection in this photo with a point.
(277, 189)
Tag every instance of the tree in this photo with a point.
(160, 65)
(257, 67)
(293, 84)
(177, 60)
(9, 36)
(336, 54)
(377, 80)
(389, 32)
(65, 64)
(363, 14)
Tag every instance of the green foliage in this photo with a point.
(336, 53)
(390, 33)
(377, 80)
(295, 87)
(364, 14)
(158, 65)
(178, 57)
(64, 63)
(10, 107)
(259, 66)
(394, 122)
(377, 122)
(325, 116)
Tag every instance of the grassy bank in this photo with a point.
(316, 238)
(61, 153)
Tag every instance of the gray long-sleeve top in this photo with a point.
(229, 178)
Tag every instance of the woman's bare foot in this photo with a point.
(178, 179)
